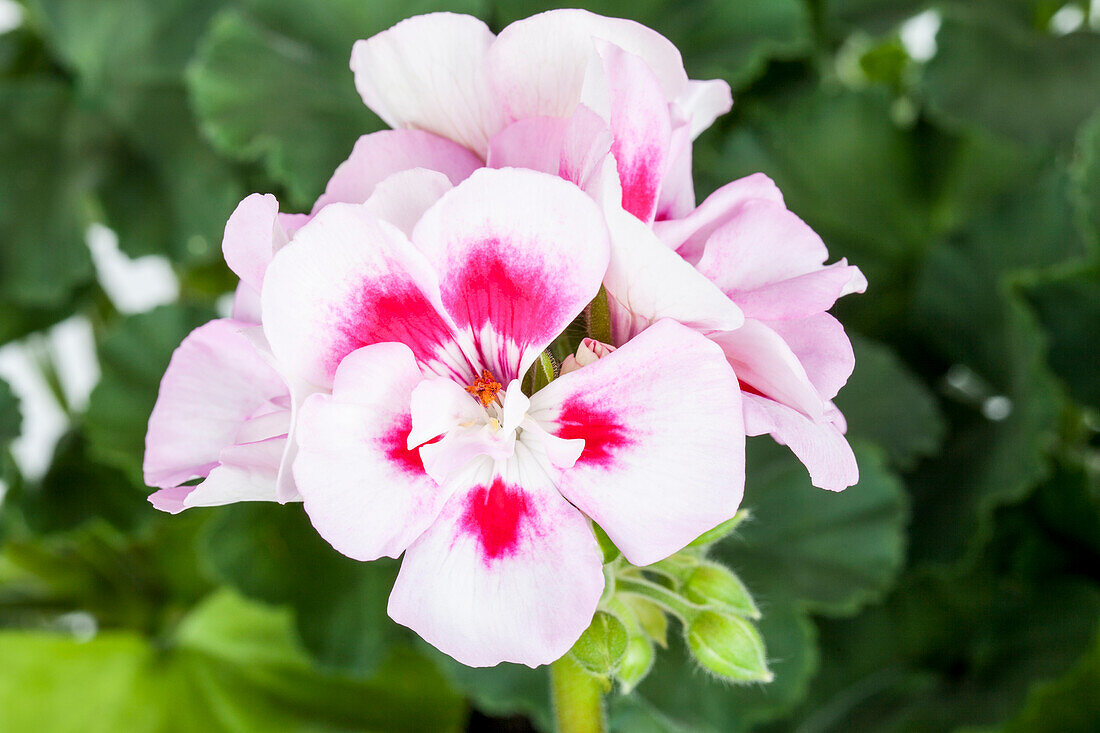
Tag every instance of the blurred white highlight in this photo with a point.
(134, 286)
(11, 16)
(918, 35)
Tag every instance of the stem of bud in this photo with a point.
(577, 697)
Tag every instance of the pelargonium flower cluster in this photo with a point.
(375, 364)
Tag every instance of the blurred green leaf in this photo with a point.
(1006, 401)
(1068, 307)
(833, 552)
(1086, 172)
(272, 553)
(143, 582)
(1015, 80)
(951, 648)
(10, 419)
(46, 179)
(272, 83)
(231, 665)
(133, 356)
(1066, 705)
(874, 16)
(76, 489)
(503, 690)
(128, 58)
(728, 40)
(887, 404)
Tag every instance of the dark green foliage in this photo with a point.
(954, 588)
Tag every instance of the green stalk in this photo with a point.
(577, 697)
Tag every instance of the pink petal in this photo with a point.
(573, 148)
(689, 234)
(246, 304)
(537, 65)
(648, 281)
(819, 445)
(703, 102)
(403, 198)
(519, 255)
(677, 187)
(803, 295)
(822, 348)
(349, 280)
(247, 473)
(252, 235)
(630, 97)
(664, 458)
(764, 361)
(364, 489)
(428, 73)
(379, 155)
(761, 243)
(509, 572)
(214, 383)
(534, 143)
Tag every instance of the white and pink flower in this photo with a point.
(426, 445)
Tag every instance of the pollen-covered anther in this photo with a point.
(485, 388)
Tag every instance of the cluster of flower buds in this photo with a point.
(506, 330)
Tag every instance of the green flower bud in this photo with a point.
(729, 646)
(602, 645)
(714, 585)
(636, 662)
(651, 618)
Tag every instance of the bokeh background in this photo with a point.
(950, 149)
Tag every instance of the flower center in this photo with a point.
(485, 388)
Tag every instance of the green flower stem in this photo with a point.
(578, 698)
(663, 597)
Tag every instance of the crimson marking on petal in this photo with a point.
(746, 387)
(495, 515)
(395, 444)
(390, 308)
(639, 174)
(497, 284)
(603, 433)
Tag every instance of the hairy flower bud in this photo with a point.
(602, 646)
(713, 585)
(729, 646)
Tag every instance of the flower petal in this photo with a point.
(623, 89)
(519, 255)
(214, 383)
(761, 243)
(538, 64)
(664, 453)
(364, 488)
(428, 73)
(689, 234)
(509, 572)
(803, 295)
(822, 348)
(403, 198)
(252, 235)
(764, 361)
(703, 102)
(349, 280)
(247, 473)
(820, 445)
(648, 281)
(379, 155)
